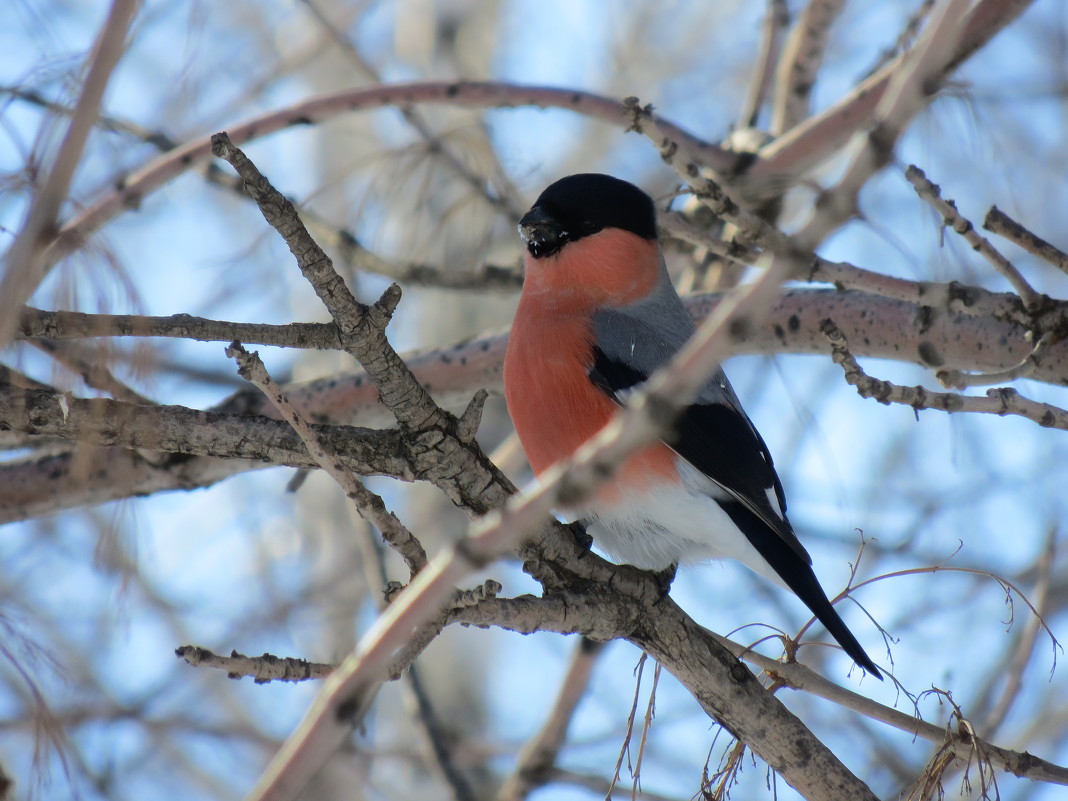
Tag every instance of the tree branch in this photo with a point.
(263, 669)
(179, 430)
(1002, 401)
(27, 261)
(535, 763)
(800, 62)
(815, 140)
(878, 327)
(369, 506)
(999, 222)
(466, 94)
(932, 193)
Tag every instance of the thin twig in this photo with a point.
(755, 231)
(536, 761)
(998, 222)
(932, 193)
(647, 725)
(1011, 675)
(369, 505)
(264, 669)
(956, 379)
(624, 748)
(27, 263)
(1002, 401)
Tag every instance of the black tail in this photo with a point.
(797, 573)
(803, 582)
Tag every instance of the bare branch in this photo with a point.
(776, 18)
(1012, 677)
(1001, 401)
(264, 669)
(800, 62)
(812, 142)
(27, 262)
(932, 193)
(59, 325)
(468, 94)
(535, 763)
(370, 506)
(179, 430)
(756, 231)
(464, 475)
(999, 222)
(624, 747)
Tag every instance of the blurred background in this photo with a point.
(93, 601)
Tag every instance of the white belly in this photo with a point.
(676, 524)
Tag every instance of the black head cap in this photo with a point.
(581, 205)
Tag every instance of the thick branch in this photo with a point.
(819, 137)
(876, 326)
(179, 430)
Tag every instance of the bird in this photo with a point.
(596, 317)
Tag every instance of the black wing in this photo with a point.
(719, 440)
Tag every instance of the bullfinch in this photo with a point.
(597, 316)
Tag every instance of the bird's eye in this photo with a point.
(590, 226)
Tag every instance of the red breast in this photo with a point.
(553, 404)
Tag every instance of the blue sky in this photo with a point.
(215, 563)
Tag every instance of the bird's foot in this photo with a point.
(664, 578)
(582, 537)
